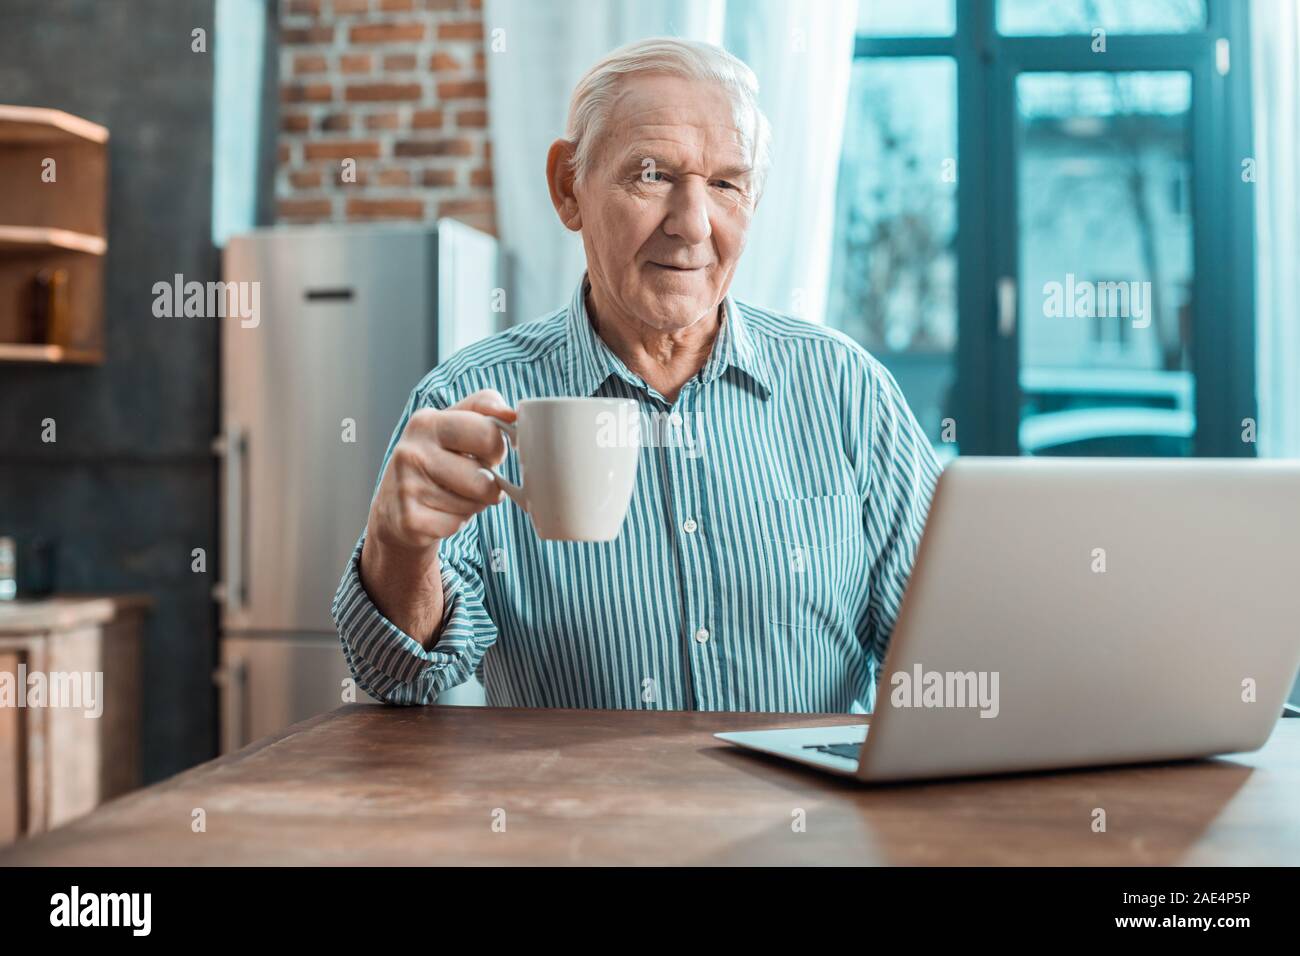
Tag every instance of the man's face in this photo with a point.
(667, 202)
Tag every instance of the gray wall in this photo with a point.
(129, 488)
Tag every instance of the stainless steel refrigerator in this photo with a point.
(348, 319)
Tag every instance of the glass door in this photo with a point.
(1108, 225)
(894, 265)
(1043, 227)
(894, 261)
(1105, 269)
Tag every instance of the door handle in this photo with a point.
(232, 447)
(1006, 306)
(232, 679)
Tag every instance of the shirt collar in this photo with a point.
(592, 362)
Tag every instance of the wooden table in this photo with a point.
(377, 785)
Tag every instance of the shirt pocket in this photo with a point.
(814, 554)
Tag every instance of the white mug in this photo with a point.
(577, 465)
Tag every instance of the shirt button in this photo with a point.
(689, 526)
(675, 420)
(702, 636)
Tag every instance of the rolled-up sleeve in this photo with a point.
(902, 477)
(390, 664)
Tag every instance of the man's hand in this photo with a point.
(437, 478)
(435, 482)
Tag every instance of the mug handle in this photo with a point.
(515, 492)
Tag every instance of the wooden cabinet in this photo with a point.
(81, 745)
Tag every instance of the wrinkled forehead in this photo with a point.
(657, 111)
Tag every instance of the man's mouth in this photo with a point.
(673, 268)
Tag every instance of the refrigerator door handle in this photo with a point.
(232, 679)
(1006, 306)
(233, 448)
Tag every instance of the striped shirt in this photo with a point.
(778, 505)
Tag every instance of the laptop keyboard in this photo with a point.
(849, 751)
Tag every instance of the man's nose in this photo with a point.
(688, 212)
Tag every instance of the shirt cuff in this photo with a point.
(384, 658)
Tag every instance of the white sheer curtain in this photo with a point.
(1275, 82)
(802, 54)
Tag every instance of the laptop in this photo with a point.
(1080, 612)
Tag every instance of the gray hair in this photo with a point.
(596, 92)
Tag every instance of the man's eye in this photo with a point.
(723, 184)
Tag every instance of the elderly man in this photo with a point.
(766, 549)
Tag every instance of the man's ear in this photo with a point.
(559, 177)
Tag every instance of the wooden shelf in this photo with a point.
(44, 239)
(53, 237)
(35, 354)
(28, 124)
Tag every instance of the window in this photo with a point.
(913, 18)
(1037, 228)
(894, 266)
(1105, 263)
(1034, 17)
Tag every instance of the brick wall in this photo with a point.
(400, 87)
